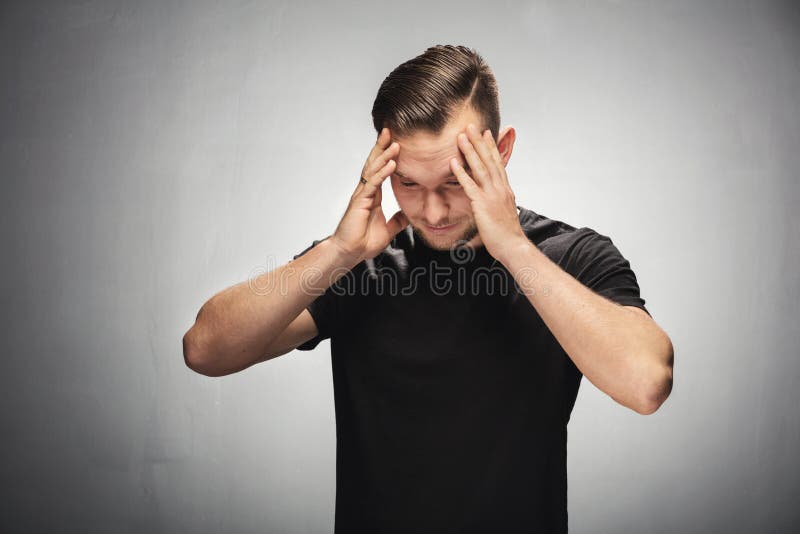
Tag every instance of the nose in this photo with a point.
(435, 208)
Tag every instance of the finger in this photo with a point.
(375, 205)
(380, 145)
(372, 214)
(374, 181)
(397, 223)
(470, 187)
(481, 147)
(495, 154)
(380, 160)
(378, 198)
(381, 141)
(480, 173)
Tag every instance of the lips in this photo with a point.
(439, 229)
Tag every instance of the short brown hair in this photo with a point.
(424, 92)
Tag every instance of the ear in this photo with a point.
(505, 143)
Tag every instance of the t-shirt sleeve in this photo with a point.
(595, 261)
(323, 310)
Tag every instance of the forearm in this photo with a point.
(235, 327)
(623, 353)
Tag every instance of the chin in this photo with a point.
(448, 241)
(438, 243)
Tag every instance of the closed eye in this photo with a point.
(406, 183)
(452, 183)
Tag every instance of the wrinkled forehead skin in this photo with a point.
(425, 157)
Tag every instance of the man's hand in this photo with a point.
(493, 203)
(363, 231)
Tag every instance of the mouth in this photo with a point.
(439, 229)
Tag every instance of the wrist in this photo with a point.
(342, 257)
(515, 249)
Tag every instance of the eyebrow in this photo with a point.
(451, 175)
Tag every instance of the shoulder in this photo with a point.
(564, 243)
(552, 236)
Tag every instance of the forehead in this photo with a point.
(427, 155)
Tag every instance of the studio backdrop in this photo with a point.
(154, 153)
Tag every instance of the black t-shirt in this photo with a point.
(451, 395)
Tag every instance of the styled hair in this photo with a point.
(425, 92)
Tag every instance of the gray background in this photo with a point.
(155, 153)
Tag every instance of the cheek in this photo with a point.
(460, 201)
(406, 199)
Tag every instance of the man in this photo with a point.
(460, 328)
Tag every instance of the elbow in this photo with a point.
(203, 360)
(657, 389)
(197, 353)
(194, 354)
(653, 401)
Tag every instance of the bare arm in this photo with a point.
(620, 349)
(240, 326)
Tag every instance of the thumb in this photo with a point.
(397, 223)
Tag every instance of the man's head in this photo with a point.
(426, 102)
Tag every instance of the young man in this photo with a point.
(460, 328)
